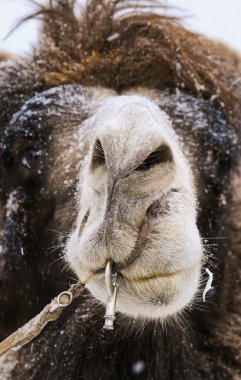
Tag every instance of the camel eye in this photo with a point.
(98, 158)
(161, 155)
(30, 158)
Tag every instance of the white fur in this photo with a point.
(164, 275)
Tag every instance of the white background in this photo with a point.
(220, 19)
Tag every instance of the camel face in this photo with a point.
(122, 177)
(116, 173)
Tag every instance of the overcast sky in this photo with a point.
(218, 19)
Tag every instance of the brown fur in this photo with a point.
(4, 56)
(157, 52)
(150, 50)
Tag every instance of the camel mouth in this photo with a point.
(161, 275)
(154, 296)
(120, 269)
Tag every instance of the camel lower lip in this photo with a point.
(152, 277)
(156, 276)
(162, 275)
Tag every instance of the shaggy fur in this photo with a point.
(198, 86)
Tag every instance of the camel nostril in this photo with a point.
(84, 220)
(98, 158)
(161, 155)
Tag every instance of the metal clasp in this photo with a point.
(63, 300)
(112, 290)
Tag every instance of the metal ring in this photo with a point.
(69, 294)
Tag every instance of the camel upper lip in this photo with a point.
(153, 209)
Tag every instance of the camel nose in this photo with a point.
(120, 205)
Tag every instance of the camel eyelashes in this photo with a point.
(160, 155)
(98, 158)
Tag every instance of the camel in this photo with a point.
(120, 142)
